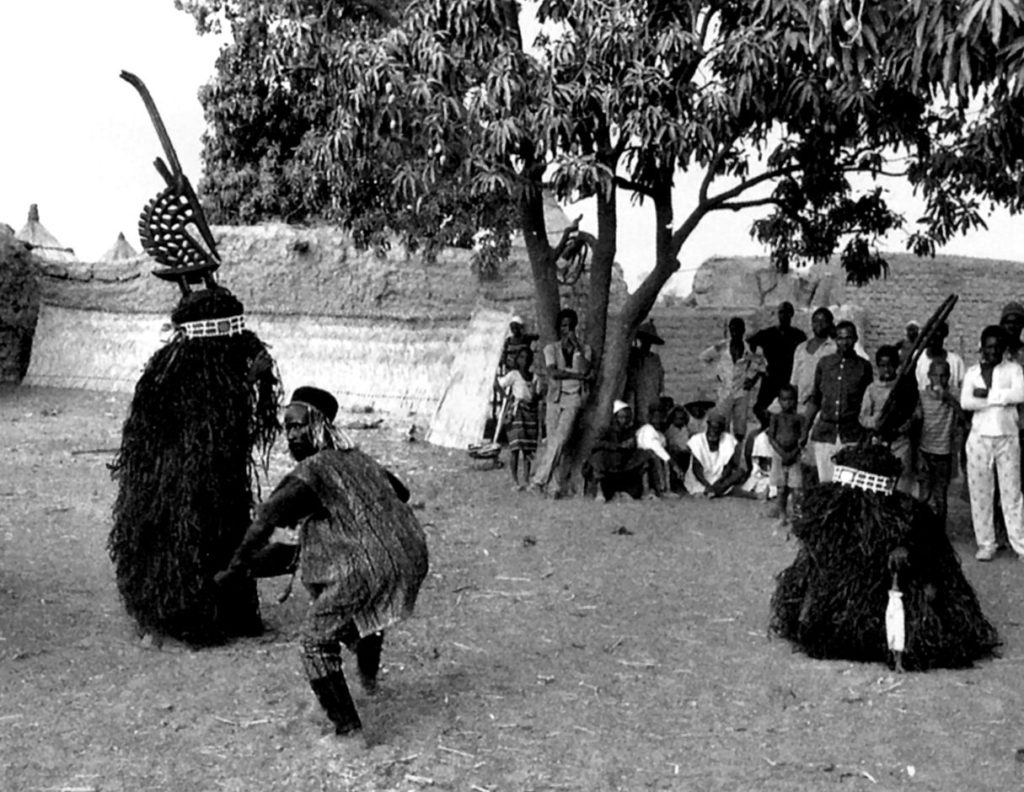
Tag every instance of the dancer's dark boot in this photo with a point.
(368, 651)
(323, 667)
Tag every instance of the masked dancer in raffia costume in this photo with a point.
(204, 410)
(876, 579)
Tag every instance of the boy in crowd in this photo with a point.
(887, 360)
(785, 430)
(941, 415)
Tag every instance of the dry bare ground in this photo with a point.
(559, 645)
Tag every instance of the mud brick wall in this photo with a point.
(687, 333)
(915, 288)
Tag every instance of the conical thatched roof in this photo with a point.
(121, 250)
(42, 243)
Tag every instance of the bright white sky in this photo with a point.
(76, 139)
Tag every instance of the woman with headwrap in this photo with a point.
(362, 553)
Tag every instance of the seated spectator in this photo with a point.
(677, 435)
(617, 464)
(715, 466)
(757, 459)
(651, 437)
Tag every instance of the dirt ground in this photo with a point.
(558, 645)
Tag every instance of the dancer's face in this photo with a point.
(297, 431)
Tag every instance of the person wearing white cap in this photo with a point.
(905, 344)
(617, 463)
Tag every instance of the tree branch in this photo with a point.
(742, 187)
(709, 174)
(567, 234)
(637, 187)
(736, 206)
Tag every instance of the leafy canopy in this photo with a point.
(431, 119)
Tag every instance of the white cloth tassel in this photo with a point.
(894, 621)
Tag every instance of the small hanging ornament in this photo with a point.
(895, 625)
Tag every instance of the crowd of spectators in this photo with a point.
(784, 405)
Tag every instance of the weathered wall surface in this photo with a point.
(378, 331)
(19, 307)
(382, 331)
(749, 288)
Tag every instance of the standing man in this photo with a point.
(992, 390)
(362, 553)
(1012, 321)
(808, 354)
(840, 381)
(777, 344)
(910, 334)
(737, 371)
(567, 363)
(645, 375)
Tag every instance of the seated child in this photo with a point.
(759, 484)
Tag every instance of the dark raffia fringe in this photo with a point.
(831, 601)
(185, 474)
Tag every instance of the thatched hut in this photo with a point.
(121, 250)
(44, 245)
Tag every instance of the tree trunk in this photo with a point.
(621, 330)
(542, 265)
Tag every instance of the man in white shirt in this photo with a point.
(714, 469)
(651, 437)
(992, 390)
